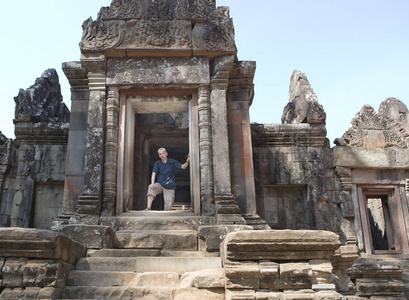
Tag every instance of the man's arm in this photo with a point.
(186, 164)
(152, 185)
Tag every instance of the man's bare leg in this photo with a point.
(150, 200)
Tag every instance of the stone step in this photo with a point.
(147, 264)
(146, 252)
(156, 221)
(177, 264)
(109, 264)
(157, 239)
(114, 293)
(132, 279)
(100, 278)
(123, 252)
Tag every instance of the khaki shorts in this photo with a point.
(168, 195)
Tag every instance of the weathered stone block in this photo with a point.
(36, 243)
(214, 235)
(50, 293)
(12, 272)
(267, 295)
(94, 237)
(278, 245)
(102, 279)
(371, 157)
(204, 279)
(44, 273)
(241, 295)
(295, 276)
(269, 274)
(96, 292)
(198, 294)
(379, 287)
(20, 293)
(243, 275)
(121, 264)
(322, 272)
(157, 279)
(181, 240)
(344, 257)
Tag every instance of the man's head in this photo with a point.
(163, 154)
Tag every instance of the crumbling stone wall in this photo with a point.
(34, 264)
(290, 165)
(32, 167)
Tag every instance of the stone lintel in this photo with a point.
(386, 158)
(158, 71)
(279, 245)
(74, 70)
(94, 62)
(302, 134)
(95, 237)
(37, 243)
(40, 133)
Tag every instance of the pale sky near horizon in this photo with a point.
(354, 52)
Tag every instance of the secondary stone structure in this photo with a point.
(265, 211)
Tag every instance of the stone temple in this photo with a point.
(264, 211)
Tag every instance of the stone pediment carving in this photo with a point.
(159, 24)
(378, 130)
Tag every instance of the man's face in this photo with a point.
(163, 155)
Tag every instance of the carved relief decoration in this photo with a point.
(123, 10)
(5, 152)
(366, 122)
(158, 34)
(133, 24)
(102, 35)
(195, 10)
(217, 33)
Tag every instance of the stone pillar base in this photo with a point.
(230, 219)
(89, 204)
(227, 210)
(256, 222)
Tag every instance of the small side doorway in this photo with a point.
(382, 220)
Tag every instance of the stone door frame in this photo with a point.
(126, 130)
(394, 200)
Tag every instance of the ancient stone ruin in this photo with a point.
(264, 211)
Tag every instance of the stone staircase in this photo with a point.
(155, 256)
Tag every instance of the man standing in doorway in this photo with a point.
(165, 170)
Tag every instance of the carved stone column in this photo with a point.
(111, 154)
(89, 202)
(74, 179)
(239, 98)
(206, 153)
(227, 210)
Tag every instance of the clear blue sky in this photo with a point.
(354, 52)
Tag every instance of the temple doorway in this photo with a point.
(154, 131)
(149, 120)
